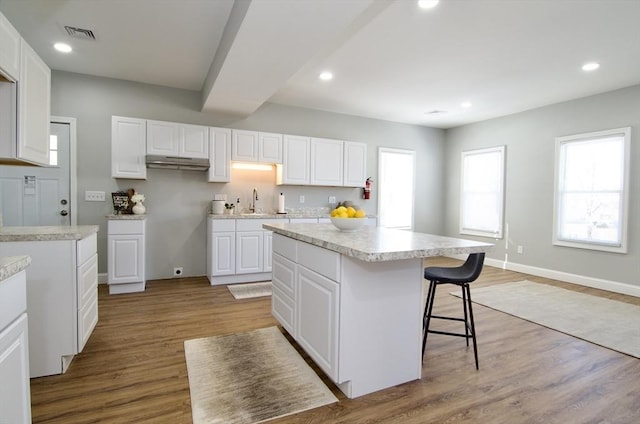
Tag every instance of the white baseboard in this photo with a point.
(596, 283)
(102, 278)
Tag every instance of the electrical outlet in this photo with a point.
(332, 200)
(177, 271)
(301, 199)
(520, 249)
(94, 196)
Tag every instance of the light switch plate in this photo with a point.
(94, 196)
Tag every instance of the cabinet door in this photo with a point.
(15, 392)
(355, 164)
(270, 148)
(163, 138)
(194, 141)
(9, 49)
(219, 154)
(223, 251)
(326, 162)
(295, 160)
(34, 107)
(317, 318)
(128, 147)
(249, 252)
(267, 242)
(125, 258)
(244, 146)
(282, 301)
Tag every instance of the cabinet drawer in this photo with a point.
(125, 226)
(87, 247)
(221, 225)
(285, 246)
(13, 292)
(283, 309)
(283, 274)
(87, 320)
(251, 224)
(322, 261)
(87, 280)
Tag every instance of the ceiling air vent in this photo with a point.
(83, 34)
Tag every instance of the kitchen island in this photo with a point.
(62, 290)
(353, 300)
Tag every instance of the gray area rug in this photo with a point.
(250, 377)
(605, 322)
(247, 291)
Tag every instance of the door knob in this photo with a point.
(64, 213)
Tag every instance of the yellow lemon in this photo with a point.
(350, 212)
(342, 214)
(341, 209)
(334, 212)
(360, 214)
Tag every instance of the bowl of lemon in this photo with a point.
(348, 218)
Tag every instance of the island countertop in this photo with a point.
(375, 244)
(47, 233)
(10, 265)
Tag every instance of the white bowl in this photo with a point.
(348, 224)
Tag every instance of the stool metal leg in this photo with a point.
(473, 326)
(427, 314)
(466, 317)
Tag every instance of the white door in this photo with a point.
(34, 195)
(396, 173)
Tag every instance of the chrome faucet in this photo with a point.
(254, 197)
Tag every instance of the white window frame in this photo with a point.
(498, 192)
(382, 208)
(620, 247)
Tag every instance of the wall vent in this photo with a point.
(83, 34)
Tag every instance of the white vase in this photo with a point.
(139, 209)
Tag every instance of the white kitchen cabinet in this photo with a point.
(269, 147)
(219, 155)
(295, 161)
(175, 139)
(10, 40)
(15, 392)
(126, 255)
(355, 164)
(327, 160)
(62, 299)
(244, 146)
(221, 248)
(128, 148)
(34, 107)
(283, 305)
(249, 252)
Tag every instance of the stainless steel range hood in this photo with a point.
(173, 162)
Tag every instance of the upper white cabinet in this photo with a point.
(295, 160)
(326, 162)
(355, 164)
(9, 49)
(34, 107)
(254, 146)
(128, 147)
(219, 154)
(174, 139)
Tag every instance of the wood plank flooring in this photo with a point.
(133, 369)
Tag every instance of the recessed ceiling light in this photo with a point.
(62, 47)
(466, 104)
(591, 66)
(428, 4)
(436, 112)
(326, 76)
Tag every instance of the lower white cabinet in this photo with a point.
(126, 251)
(15, 392)
(62, 299)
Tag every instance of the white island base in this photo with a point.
(359, 321)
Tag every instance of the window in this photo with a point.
(482, 192)
(396, 171)
(592, 190)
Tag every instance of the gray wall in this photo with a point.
(177, 201)
(530, 138)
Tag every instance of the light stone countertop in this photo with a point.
(375, 244)
(11, 265)
(47, 233)
(126, 217)
(265, 216)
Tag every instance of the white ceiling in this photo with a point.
(391, 60)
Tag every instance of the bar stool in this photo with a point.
(460, 276)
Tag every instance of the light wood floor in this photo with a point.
(133, 368)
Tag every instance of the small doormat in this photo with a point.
(605, 322)
(250, 378)
(247, 291)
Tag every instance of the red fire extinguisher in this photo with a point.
(366, 191)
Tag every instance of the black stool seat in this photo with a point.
(460, 276)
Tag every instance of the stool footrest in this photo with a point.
(446, 333)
